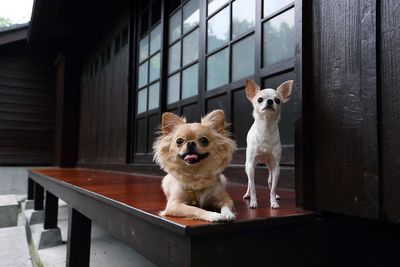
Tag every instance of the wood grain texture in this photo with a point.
(27, 105)
(144, 193)
(345, 107)
(390, 107)
(104, 102)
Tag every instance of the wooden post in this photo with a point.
(30, 189)
(50, 211)
(39, 195)
(79, 232)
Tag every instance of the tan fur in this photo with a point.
(203, 177)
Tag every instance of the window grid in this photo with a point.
(231, 41)
(267, 18)
(147, 60)
(179, 71)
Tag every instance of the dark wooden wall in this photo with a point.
(344, 111)
(104, 98)
(390, 107)
(27, 105)
(352, 112)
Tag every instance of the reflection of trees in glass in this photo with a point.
(243, 58)
(155, 66)
(190, 85)
(278, 42)
(217, 69)
(241, 26)
(5, 22)
(216, 39)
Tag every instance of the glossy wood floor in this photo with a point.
(145, 193)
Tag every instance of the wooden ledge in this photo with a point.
(141, 195)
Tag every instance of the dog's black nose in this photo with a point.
(270, 102)
(191, 145)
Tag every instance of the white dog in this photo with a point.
(263, 140)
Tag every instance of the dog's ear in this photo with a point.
(169, 122)
(251, 89)
(215, 119)
(285, 90)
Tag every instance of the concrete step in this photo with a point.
(105, 249)
(8, 211)
(14, 250)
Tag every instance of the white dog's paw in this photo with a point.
(274, 205)
(246, 196)
(163, 213)
(277, 197)
(228, 214)
(215, 217)
(253, 204)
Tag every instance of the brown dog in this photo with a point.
(194, 156)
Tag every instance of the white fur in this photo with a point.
(263, 139)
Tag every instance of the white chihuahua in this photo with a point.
(263, 140)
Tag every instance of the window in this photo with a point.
(149, 61)
(183, 52)
(278, 37)
(230, 41)
(209, 48)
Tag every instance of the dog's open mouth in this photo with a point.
(193, 157)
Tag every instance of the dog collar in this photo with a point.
(192, 197)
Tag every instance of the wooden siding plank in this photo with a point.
(390, 107)
(344, 107)
(27, 109)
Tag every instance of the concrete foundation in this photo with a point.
(29, 204)
(105, 250)
(50, 238)
(8, 211)
(34, 216)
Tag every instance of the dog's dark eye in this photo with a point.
(179, 141)
(203, 141)
(260, 99)
(277, 100)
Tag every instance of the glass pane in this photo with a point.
(174, 57)
(190, 81)
(142, 101)
(155, 64)
(278, 40)
(173, 88)
(191, 15)
(154, 95)
(143, 74)
(271, 6)
(243, 16)
(190, 47)
(144, 48)
(218, 29)
(175, 26)
(217, 69)
(155, 39)
(213, 5)
(243, 57)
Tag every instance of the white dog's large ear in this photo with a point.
(285, 90)
(215, 119)
(251, 89)
(170, 121)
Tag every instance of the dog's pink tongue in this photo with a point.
(191, 157)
